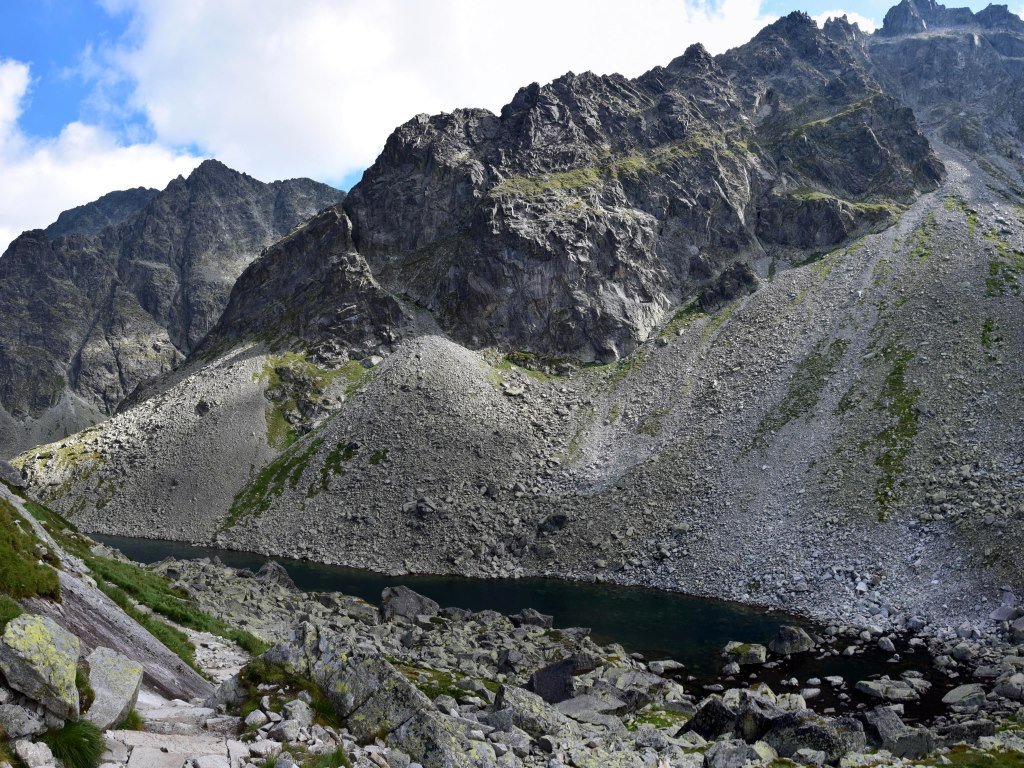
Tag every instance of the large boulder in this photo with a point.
(805, 730)
(888, 690)
(10, 475)
(272, 572)
(554, 682)
(757, 715)
(888, 731)
(17, 721)
(402, 601)
(730, 754)
(377, 701)
(712, 719)
(39, 658)
(115, 681)
(789, 640)
(530, 713)
(1017, 631)
(969, 695)
(1011, 686)
(746, 654)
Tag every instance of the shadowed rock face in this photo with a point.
(92, 310)
(572, 221)
(314, 287)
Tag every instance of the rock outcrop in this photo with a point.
(40, 658)
(570, 224)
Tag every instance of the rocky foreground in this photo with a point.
(411, 684)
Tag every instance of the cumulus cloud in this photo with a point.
(314, 87)
(865, 24)
(41, 178)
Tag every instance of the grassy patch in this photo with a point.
(128, 583)
(335, 759)
(86, 695)
(280, 372)
(76, 745)
(682, 319)
(260, 672)
(990, 338)
(897, 400)
(966, 757)
(1005, 269)
(885, 208)
(9, 609)
(335, 461)
(613, 167)
(174, 639)
(22, 574)
(155, 592)
(921, 241)
(956, 204)
(805, 387)
(657, 718)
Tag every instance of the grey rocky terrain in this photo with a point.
(833, 434)
(123, 289)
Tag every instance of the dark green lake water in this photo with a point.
(692, 630)
(659, 624)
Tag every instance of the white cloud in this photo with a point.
(865, 24)
(41, 178)
(314, 87)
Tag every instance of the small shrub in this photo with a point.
(132, 722)
(76, 745)
(337, 759)
(9, 609)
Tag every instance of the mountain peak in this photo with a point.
(912, 17)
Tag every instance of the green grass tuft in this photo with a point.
(336, 759)
(76, 745)
(9, 609)
(898, 400)
(132, 722)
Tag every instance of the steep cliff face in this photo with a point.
(314, 288)
(962, 72)
(123, 289)
(570, 223)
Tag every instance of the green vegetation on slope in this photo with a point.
(897, 400)
(805, 387)
(290, 371)
(270, 482)
(128, 584)
(22, 573)
(611, 167)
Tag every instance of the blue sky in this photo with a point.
(104, 94)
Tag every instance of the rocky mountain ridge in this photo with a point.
(123, 289)
(572, 223)
(818, 413)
